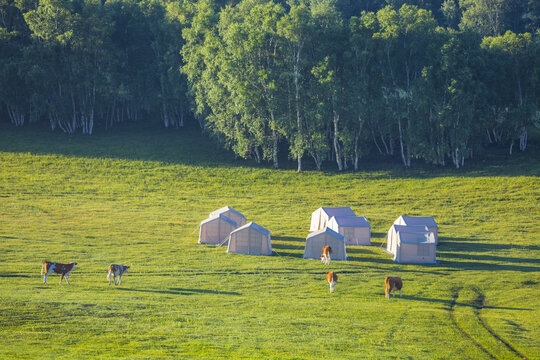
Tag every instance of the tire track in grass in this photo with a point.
(455, 295)
(479, 329)
(481, 300)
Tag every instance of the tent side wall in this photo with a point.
(315, 244)
(315, 220)
(215, 232)
(435, 231)
(416, 253)
(249, 241)
(421, 253)
(391, 240)
(360, 236)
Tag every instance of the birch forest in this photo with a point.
(332, 81)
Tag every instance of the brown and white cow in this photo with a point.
(392, 283)
(63, 269)
(325, 256)
(116, 270)
(331, 277)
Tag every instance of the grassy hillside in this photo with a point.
(137, 198)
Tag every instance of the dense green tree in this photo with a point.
(515, 102)
(363, 79)
(405, 38)
(296, 28)
(484, 16)
(254, 69)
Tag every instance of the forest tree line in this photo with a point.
(332, 80)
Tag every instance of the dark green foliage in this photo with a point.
(85, 63)
(331, 80)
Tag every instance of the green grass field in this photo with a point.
(137, 197)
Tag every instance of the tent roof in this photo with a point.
(225, 209)
(338, 211)
(416, 238)
(326, 230)
(351, 221)
(255, 226)
(411, 228)
(219, 217)
(419, 220)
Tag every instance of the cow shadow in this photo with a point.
(206, 291)
(14, 276)
(179, 291)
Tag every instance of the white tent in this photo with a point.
(392, 235)
(412, 244)
(320, 217)
(355, 229)
(319, 239)
(420, 221)
(232, 214)
(216, 230)
(250, 239)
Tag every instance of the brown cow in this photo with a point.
(63, 269)
(325, 256)
(392, 283)
(331, 277)
(117, 270)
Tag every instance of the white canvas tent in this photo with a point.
(320, 238)
(320, 217)
(420, 221)
(412, 244)
(232, 214)
(250, 239)
(216, 230)
(392, 235)
(355, 229)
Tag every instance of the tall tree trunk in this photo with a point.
(297, 99)
(403, 157)
(318, 160)
(336, 141)
(275, 141)
(356, 151)
(523, 138)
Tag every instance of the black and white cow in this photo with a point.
(63, 269)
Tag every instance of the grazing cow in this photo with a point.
(325, 256)
(392, 283)
(331, 277)
(63, 269)
(116, 270)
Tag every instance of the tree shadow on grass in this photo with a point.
(479, 266)
(465, 256)
(450, 302)
(291, 243)
(289, 239)
(459, 253)
(178, 291)
(477, 245)
(142, 142)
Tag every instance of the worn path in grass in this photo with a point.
(137, 198)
